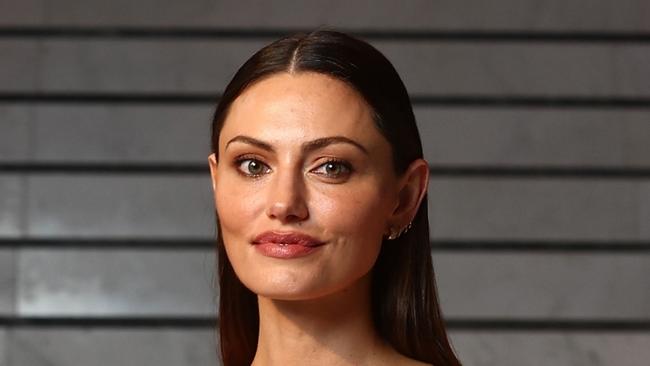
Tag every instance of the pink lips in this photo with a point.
(285, 244)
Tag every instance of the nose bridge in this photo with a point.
(287, 196)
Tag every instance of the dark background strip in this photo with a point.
(441, 171)
(510, 101)
(372, 34)
(439, 245)
(555, 325)
(589, 325)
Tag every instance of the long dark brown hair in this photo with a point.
(404, 301)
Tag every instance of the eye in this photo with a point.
(334, 169)
(252, 167)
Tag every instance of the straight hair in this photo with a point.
(405, 308)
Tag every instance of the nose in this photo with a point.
(287, 198)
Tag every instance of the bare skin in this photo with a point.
(314, 309)
(333, 331)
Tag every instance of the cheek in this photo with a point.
(237, 205)
(359, 211)
(353, 216)
(357, 219)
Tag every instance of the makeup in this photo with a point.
(286, 245)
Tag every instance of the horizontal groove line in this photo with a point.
(437, 245)
(104, 168)
(512, 101)
(442, 171)
(110, 322)
(109, 243)
(109, 98)
(189, 33)
(547, 246)
(590, 325)
(572, 172)
(532, 101)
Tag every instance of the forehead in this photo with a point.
(285, 108)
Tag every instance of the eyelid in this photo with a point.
(346, 165)
(237, 162)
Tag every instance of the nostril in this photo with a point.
(287, 199)
(288, 212)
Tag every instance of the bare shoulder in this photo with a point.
(411, 362)
(391, 357)
(402, 360)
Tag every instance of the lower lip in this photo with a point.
(285, 251)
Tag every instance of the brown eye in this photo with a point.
(252, 167)
(333, 169)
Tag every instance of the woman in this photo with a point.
(320, 186)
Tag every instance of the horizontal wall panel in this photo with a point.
(115, 283)
(11, 205)
(644, 214)
(542, 209)
(103, 347)
(546, 286)
(172, 347)
(19, 65)
(15, 125)
(7, 284)
(124, 66)
(167, 206)
(428, 68)
(144, 282)
(78, 133)
(520, 69)
(120, 206)
(3, 347)
(628, 15)
(529, 137)
(543, 349)
(181, 134)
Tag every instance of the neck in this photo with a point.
(333, 330)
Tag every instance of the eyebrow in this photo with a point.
(325, 141)
(306, 147)
(251, 141)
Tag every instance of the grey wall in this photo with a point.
(535, 118)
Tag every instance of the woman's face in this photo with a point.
(304, 186)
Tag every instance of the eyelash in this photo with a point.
(238, 162)
(344, 165)
(248, 158)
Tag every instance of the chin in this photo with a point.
(287, 295)
(285, 286)
(295, 286)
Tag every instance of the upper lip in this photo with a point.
(291, 237)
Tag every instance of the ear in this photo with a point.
(212, 161)
(412, 188)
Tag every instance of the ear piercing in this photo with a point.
(395, 233)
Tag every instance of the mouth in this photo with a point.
(287, 238)
(286, 245)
